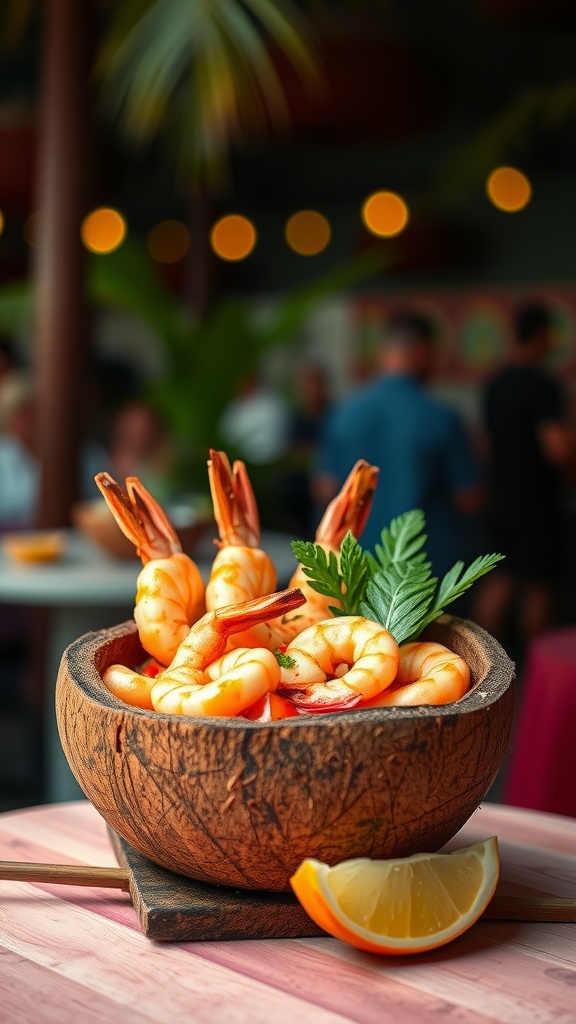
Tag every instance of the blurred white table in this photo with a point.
(87, 590)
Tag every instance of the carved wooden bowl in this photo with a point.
(242, 803)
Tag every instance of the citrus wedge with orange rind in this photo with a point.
(404, 905)
(34, 546)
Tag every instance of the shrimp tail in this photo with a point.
(259, 609)
(235, 508)
(350, 509)
(140, 517)
(208, 637)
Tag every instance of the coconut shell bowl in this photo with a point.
(242, 803)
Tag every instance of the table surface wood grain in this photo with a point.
(70, 954)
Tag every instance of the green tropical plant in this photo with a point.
(204, 358)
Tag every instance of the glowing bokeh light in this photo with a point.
(168, 241)
(385, 214)
(233, 237)
(103, 230)
(508, 189)
(307, 232)
(1, 222)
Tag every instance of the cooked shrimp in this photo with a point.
(428, 673)
(338, 663)
(227, 687)
(242, 569)
(169, 588)
(199, 681)
(348, 511)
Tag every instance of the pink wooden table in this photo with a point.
(69, 954)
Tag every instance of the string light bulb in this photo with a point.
(233, 237)
(103, 230)
(385, 214)
(508, 189)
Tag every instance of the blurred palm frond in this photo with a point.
(202, 71)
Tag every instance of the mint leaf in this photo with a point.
(399, 598)
(395, 587)
(451, 587)
(403, 540)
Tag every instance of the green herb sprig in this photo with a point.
(342, 579)
(283, 659)
(394, 586)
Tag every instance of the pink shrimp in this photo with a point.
(169, 588)
(202, 679)
(428, 673)
(348, 511)
(338, 664)
(243, 569)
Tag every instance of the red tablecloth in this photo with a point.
(542, 754)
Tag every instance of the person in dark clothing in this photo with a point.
(527, 440)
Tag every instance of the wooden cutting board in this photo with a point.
(172, 908)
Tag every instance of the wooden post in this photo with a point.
(61, 323)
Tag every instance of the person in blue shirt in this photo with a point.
(419, 443)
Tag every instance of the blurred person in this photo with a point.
(418, 442)
(255, 427)
(528, 443)
(256, 422)
(140, 446)
(18, 468)
(311, 402)
(18, 499)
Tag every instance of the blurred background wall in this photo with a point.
(194, 195)
(424, 103)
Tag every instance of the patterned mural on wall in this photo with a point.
(473, 328)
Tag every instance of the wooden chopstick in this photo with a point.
(501, 908)
(66, 874)
(531, 908)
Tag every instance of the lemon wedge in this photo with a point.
(403, 905)
(34, 546)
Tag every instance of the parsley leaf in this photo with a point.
(283, 659)
(322, 571)
(344, 579)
